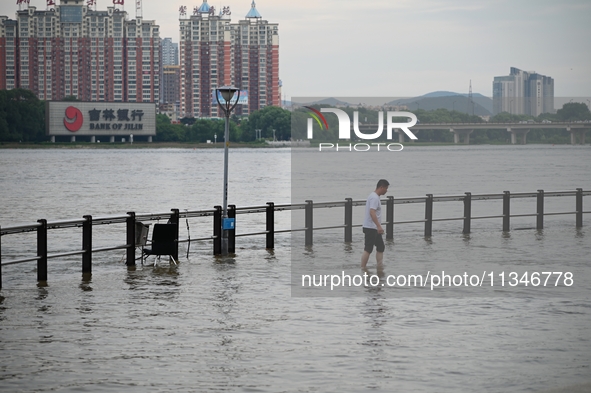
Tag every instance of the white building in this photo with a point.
(523, 93)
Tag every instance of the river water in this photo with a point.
(236, 324)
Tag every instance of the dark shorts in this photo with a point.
(372, 238)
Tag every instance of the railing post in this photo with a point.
(0, 258)
(429, 215)
(348, 220)
(467, 212)
(579, 207)
(309, 222)
(217, 230)
(232, 232)
(390, 218)
(270, 217)
(174, 219)
(540, 210)
(130, 239)
(87, 245)
(42, 251)
(506, 210)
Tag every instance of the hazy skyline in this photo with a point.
(404, 47)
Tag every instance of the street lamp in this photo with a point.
(227, 93)
(274, 135)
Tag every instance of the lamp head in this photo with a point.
(227, 92)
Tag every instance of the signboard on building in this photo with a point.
(100, 118)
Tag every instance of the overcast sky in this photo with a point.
(407, 47)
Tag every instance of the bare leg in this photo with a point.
(380, 263)
(380, 259)
(364, 259)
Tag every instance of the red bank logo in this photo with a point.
(73, 120)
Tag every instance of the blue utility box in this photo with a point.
(228, 224)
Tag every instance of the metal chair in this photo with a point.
(164, 242)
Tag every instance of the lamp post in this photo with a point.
(227, 93)
(274, 135)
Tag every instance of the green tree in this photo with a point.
(170, 133)
(162, 119)
(22, 116)
(267, 119)
(506, 117)
(574, 111)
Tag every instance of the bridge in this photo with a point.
(518, 130)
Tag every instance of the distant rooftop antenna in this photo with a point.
(470, 97)
(138, 8)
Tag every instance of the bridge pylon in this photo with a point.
(518, 135)
(465, 134)
(577, 134)
(401, 135)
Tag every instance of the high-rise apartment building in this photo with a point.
(170, 85)
(73, 50)
(215, 52)
(170, 76)
(170, 52)
(523, 93)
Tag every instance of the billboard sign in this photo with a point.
(100, 118)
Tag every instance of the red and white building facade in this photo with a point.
(215, 52)
(71, 49)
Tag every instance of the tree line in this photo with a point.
(569, 112)
(22, 119)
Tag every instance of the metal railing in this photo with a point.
(131, 219)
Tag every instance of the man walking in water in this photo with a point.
(372, 226)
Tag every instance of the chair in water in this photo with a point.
(164, 242)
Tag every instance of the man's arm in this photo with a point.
(374, 218)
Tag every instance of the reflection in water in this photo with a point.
(225, 287)
(2, 308)
(86, 281)
(376, 336)
(270, 255)
(42, 290)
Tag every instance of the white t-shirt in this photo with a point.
(373, 202)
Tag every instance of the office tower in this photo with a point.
(73, 50)
(523, 92)
(215, 52)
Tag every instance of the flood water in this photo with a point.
(236, 324)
